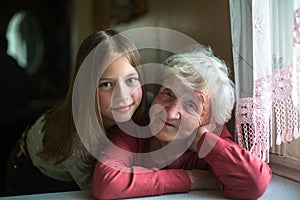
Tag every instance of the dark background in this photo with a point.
(48, 84)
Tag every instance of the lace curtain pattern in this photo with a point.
(266, 47)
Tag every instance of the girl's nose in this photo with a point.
(122, 92)
(173, 110)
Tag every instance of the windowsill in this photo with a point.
(285, 167)
(281, 188)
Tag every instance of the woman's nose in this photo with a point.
(173, 110)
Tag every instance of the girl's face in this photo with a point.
(175, 111)
(120, 92)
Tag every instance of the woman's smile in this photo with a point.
(168, 124)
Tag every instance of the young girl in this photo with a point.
(50, 156)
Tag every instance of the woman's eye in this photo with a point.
(191, 106)
(105, 85)
(168, 93)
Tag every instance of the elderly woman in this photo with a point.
(189, 146)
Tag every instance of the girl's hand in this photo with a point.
(201, 180)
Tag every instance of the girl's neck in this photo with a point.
(108, 124)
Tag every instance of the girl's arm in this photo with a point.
(120, 174)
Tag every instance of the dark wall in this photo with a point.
(51, 79)
(47, 85)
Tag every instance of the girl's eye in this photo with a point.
(105, 85)
(132, 80)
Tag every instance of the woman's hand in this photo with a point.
(201, 180)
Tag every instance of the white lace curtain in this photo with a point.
(266, 55)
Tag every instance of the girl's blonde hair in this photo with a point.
(61, 139)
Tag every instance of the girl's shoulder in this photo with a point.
(37, 127)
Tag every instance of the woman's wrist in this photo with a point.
(200, 132)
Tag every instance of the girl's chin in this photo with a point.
(122, 120)
(122, 117)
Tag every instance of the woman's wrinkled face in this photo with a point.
(120, 92)
(175, 110)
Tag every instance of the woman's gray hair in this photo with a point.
(201, 69)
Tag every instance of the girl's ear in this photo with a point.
(205, 107)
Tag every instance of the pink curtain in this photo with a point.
(266, 47)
